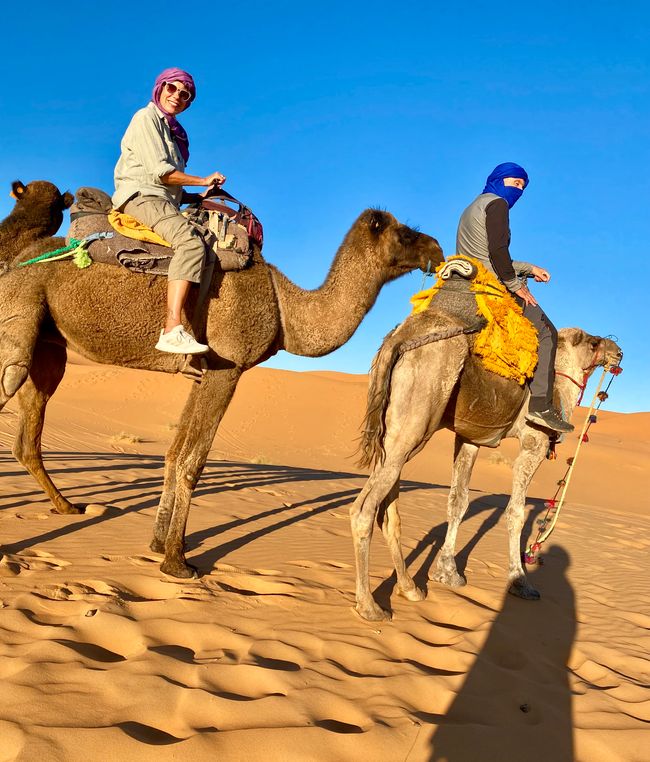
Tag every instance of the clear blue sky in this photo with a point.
(316, 111)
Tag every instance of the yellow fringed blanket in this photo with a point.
(508, 343)
(132, 228)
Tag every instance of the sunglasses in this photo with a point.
(184, 95)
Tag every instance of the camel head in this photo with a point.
(587, 351)
(40, 204)
(396, 248)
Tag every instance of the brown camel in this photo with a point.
(422, 382)
(111, 316)
(38, 214)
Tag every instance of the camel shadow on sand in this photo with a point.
(218, 477)
(429, 545)
(231, 476)
(515, 702)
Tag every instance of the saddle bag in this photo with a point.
(227, 224)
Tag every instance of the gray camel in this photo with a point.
(109, 315)
(440, 384)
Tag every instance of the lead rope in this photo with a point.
(546, 525)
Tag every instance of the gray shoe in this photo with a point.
(550, 419)
(179, 342)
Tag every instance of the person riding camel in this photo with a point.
(484, 234)
(149, 179)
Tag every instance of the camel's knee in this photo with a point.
(361, 524)
(26, 455)
(13, 377)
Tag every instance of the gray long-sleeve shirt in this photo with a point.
(149, 151)
(484, 233)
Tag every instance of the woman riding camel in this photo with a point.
(484, 233)
(149, 179)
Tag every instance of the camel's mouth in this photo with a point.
(612, 357)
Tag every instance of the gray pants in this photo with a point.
(541, 384)
(165, 219)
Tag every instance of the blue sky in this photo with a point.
(317, 111)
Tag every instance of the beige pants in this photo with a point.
(165, 219)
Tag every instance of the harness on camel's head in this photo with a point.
(597, 358)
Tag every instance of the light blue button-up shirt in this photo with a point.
(149, 151)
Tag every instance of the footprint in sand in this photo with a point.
(77, 591)
(40, 516)
(12, 565)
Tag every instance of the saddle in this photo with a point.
(508, 343)
(229, 229)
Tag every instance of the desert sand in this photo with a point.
(263, 658)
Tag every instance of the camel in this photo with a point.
(425, 378)
(112, 316)
(38, 214)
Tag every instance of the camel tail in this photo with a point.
(371, 446)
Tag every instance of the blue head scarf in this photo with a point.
(495, 184)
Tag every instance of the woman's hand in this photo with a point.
(541, 275)
(216, 178)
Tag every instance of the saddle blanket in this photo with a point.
(135, 246)
(508, 343)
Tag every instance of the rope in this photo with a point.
(75, 249)
(554, 506)
(430, 338)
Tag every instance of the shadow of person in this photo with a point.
(516, 701)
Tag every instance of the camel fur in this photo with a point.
(113, 316)
(38, 214)
(441, 384)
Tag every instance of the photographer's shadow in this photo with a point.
(516, 701)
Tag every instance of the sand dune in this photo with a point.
(262, 657)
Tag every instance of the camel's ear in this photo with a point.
(579, 337)
(378, 221)
(68, 200)
(17, 190)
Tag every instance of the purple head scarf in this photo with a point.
(175, 75)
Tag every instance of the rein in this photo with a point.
(582, 386)
(554, 505)
(585, 378)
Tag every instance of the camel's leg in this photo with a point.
(46, 372)
(464, 459)
(18, 335)
(209, 404)
(362, 515)
(166, 504)
(388, 519)
(417, 403)
(531, 454)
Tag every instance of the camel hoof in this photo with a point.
(413, 594)
(68, 509)
(522, 589)
(373, 613)
(449, 578)
(157, 546)
(179, 570)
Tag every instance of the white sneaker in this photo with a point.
(179, 342)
